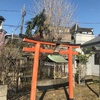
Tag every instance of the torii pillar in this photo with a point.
(37, 49)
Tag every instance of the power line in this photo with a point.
(89, 22)
(10, 10)
(11, 25)
(18, 25)
(28, 12)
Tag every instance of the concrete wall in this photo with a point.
(3, 92)
(82, 38)
(1, 26)
(92, 67)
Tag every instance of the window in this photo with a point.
(96, 59)
(89, 32)
(84, 32)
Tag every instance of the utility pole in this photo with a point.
(22, 20)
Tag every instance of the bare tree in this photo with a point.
(58, 12)
(9, 64)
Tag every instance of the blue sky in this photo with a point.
(87, 13)
(11, 10)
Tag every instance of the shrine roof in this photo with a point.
(57, 58)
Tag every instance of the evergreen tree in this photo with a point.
(36, 22)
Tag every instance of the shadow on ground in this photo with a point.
(52, 87)
(92, 90)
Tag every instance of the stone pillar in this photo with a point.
(3, 92)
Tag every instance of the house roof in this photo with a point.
(2, 18)
(74, 26)
(57, 58)
(94, 41)
(80, 29)
(2, 30)
(84, 29)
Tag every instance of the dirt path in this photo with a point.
(81, 92)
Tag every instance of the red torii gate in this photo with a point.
(37, 49)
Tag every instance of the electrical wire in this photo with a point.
(10, 10)
(18, 25)
(10, 25)
(28, 12)
(89, 22)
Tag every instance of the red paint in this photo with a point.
(35, 72)
(37, 49)
(70, 72)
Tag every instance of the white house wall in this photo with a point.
(1, 26)
(82, 38)
(91, 68)
(94, 68)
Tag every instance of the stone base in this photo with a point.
(3, 92)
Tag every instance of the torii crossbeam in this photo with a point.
(37, 49)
